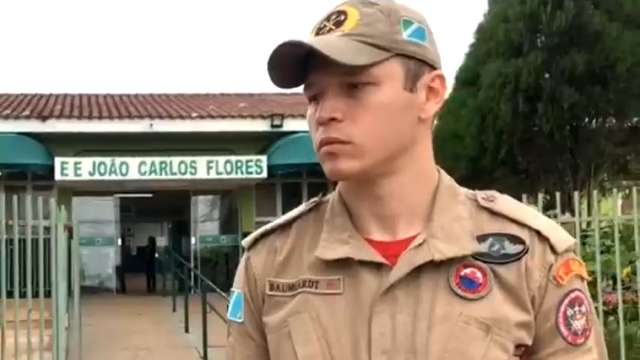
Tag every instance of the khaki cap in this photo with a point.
(356, 33)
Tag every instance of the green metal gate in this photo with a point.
(39, 292)
(608, 227)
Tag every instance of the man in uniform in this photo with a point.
(399, 262)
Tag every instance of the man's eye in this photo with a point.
(356, 85)
(312, 98)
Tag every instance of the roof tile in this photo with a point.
(150, 106)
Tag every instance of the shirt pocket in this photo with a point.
(476, 339)
(297, 339)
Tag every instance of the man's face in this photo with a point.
(362, 120)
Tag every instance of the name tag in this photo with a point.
(310, 284)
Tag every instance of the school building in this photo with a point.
(197, 172)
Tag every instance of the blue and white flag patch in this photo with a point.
(235, 312)
(414, 31)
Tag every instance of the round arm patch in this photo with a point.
(573, 318)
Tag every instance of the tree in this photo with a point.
(548, 97)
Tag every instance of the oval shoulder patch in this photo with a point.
(500, 248)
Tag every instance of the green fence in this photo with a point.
(39, 297)
(39, 270)
(608, 227)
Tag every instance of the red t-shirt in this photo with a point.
(391, 250)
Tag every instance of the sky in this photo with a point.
(169, 46)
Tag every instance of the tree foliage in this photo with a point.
(548, 97)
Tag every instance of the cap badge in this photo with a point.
(341, 20)
(470, 280)
(414, 31)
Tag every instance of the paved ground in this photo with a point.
(140, 326)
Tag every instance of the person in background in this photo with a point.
(150, 264)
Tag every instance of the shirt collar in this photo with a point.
(447, 233)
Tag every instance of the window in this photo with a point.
(266, 204)
(291, 195)
(280, 195)
(14, 176)
(315, 188)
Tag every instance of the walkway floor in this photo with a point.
(139, 326)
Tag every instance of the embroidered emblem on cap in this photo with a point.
(340, 20)
(414, 31)
(569, 268)
(235, 311)
(498, 248)
(471, 280)
(574, 318)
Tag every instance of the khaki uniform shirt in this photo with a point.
(310, 288)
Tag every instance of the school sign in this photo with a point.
(160, 168)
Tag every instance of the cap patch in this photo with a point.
(569, 268)
(470, 280)
(498, 248)
(341, 20)
(414, 31)
(235, 312)
(574, 318)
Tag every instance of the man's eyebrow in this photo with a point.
(309, 86)
(348, 73)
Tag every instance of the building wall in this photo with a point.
(157, 144)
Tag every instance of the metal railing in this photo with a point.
(179, 268)
(35, 278)
(608, 229)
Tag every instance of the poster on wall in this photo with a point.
(97, 220)
(98, 260)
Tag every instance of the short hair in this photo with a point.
(414, 70)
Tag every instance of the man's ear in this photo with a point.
(432, 89)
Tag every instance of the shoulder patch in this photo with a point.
(560, 240)
(285, 219)
(235, 311)
(569, 268)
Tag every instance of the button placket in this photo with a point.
(380, 330)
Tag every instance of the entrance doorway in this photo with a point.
(150, 223)
(116, 232)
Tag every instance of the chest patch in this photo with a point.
(470, 280)
(499, 248)
(310, 284)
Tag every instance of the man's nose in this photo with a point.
(329, 109)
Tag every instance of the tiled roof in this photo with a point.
(149, 106)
